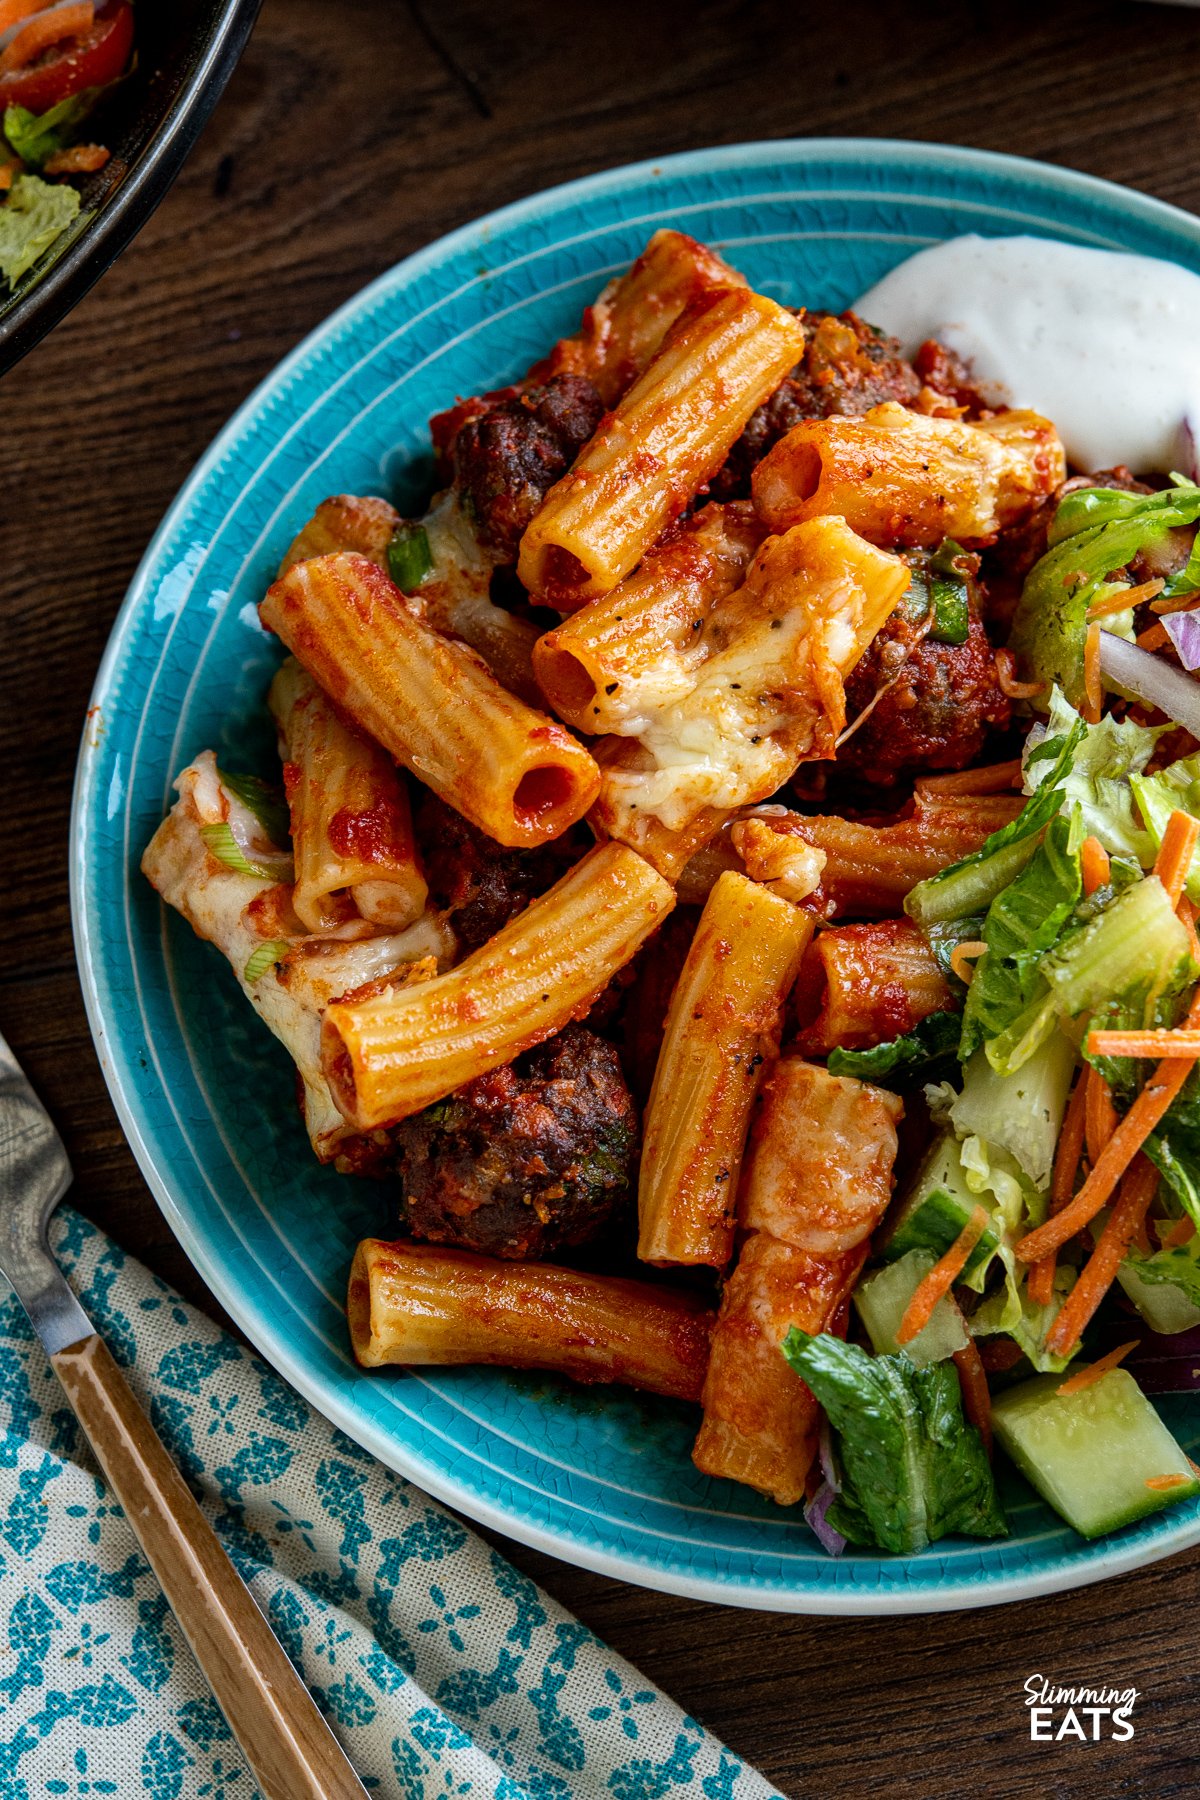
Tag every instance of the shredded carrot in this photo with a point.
(1062, 1183)
(995, 779)
(1173, 603)
(1178, 1232)
(1161, 1483)
(44, 29)
(1095, 864)
(1143, 1043)
(1092, 693)
(977, 1401)
(1120, 1150)
(13, 11)
(1099, 1272)
(1006, 679)
(1175, 853)
(1117, 603)
(1154, 637)
(963, 958)
(1085, 1378)
(7, 171)
(1099, 1116)
(80, 159)
(941, 1278)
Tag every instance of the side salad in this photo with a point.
(57, 64)
(1057, 1209)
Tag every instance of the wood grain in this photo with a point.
(351, 135)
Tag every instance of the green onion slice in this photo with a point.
(265, 801)
(219, 839)
(264, 958)
(409, 558)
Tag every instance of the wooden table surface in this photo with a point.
(351, 135)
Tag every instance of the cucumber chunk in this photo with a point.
(1091, 1454)
(882, 1300)
(1164, 1305)
(936, 1208)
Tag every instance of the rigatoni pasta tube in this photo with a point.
(358, 522)
(455, 596)
(414, 1304)
(901, 478)
(625, 325)
(672, 430)
(238, 905)
(869, 869)
(760, 1420)
(617, 661)
(431, 702)
(386, 1058)
(352, 835)
(878, 980)
(766, 691)
(724, 1021)
(818, 1167)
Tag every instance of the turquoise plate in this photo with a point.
(601, 1478)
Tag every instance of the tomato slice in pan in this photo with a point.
(90, 61)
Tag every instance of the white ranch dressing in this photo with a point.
(1105, 344)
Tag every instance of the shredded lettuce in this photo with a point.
(1173, 789)
(1134, 949)
(1014, 1205)
(1106, 756)
(970, 886)
(1095, 532)
(912, 1468)
(1011, 1313)
(904, 1059)
(1174, 1147)
(1165, 1286)
(35, 136)
(1020, 1113)
(35, 213)
(1023, 922)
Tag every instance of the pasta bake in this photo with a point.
(712, 889)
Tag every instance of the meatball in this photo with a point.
(943, 698)
(848, 367)
(478, 881)
(508, 457)
(531, 1159)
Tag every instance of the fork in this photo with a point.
(290, 1750)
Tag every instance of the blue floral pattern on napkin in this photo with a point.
(442, 1670)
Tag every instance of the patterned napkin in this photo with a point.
(442, 1670)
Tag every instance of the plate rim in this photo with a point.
(274, 1346)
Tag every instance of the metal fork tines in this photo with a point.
(34, 1176)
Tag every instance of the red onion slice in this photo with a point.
(1156, 682)
(814, 1514)
(1183, 629)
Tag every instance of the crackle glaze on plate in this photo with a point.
(599, 1477)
